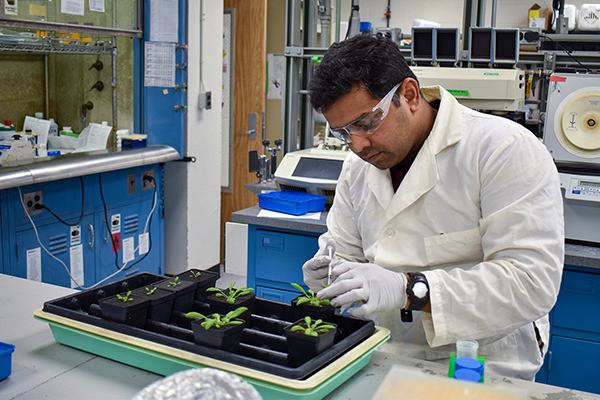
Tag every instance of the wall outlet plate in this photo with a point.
(30, 199)
(148, 184)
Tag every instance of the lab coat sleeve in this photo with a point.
(522, 231)
(341, 222)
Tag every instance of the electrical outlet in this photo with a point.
(131, 183)
(30, 199)
(208, 100)
(205, 100)
(148, 184)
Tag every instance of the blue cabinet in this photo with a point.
(275, 259)
(109, 196)
(574, 352)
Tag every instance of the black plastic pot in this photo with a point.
(220, 305)
(126, 312)
(225, 338)
(184, 293)
(203, 281)
(324, 313)
(302, 347)
(161, 303)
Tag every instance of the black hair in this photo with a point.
(374, 60)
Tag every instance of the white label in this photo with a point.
(144, 243)
(73, 7)
(115, 223)
(34, 264)
(97, 5)
(11, 7)
(76, 259)
(75, 235)
(128, 250)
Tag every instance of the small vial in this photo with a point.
(466, 348)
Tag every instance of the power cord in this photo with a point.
(43, 206)
(532, 36)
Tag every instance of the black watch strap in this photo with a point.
(417, 303)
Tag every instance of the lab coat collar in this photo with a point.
(423, 174)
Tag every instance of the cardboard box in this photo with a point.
(540, 17)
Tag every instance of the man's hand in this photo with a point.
(373, 287)
(316, 269)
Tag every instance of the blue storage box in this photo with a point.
(6, 351)
(290, 202)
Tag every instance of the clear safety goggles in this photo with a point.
(368, 122)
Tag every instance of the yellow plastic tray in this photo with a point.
(166, 360)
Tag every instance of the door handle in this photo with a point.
(107, 231)
(251, 127)
(91, 228)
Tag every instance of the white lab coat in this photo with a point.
(480, 214)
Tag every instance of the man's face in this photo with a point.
(391, 142)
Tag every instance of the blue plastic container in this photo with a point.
(6, 351)
(290, 202)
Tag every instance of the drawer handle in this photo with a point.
(580, 285)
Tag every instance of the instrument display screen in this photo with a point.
(589, 183)
(317, 168)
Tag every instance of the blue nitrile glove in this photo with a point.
(371, 287)
(316, 269)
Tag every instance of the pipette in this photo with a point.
(330, 248)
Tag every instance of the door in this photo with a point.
(163, 108)
(249, 97)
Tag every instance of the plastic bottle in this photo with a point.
(66, 130)
(7, 126)
(53, 131)
(39, 115)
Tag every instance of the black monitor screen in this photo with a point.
(317, 168)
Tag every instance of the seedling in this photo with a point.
(150, 291)
(232, 293)
(195, 274)
(310, 297)
(312, 328)
(125, 298)
(174, 283)
(216, 321)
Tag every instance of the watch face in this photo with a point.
(420, 289)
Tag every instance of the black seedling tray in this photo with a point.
(263, 346)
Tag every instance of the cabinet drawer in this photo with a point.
(280, 256)
(578, 302)
(573, 364)
(283, 296)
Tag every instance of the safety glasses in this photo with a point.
(368, 122)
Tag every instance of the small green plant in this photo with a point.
(174, 283)
(312, 328)
(195, 274)
(150, 291)
(310, 297)
(232, 293)
(125, 298)
(216, 321)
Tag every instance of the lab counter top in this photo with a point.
(43, 368)
(578, 255)
(54, 168)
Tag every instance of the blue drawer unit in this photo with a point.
(574, 364)
(578, 301)
(275, 259)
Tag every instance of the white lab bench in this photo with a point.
(42, 368)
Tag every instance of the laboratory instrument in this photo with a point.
(572, 135)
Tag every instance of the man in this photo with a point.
(442, 214)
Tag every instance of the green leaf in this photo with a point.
(193, 314)
(302, 300)
(297, 286)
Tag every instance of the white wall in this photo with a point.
(193, 190)
(449, 13)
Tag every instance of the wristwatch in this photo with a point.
(417, 290)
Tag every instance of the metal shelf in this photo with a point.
(50, 46)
